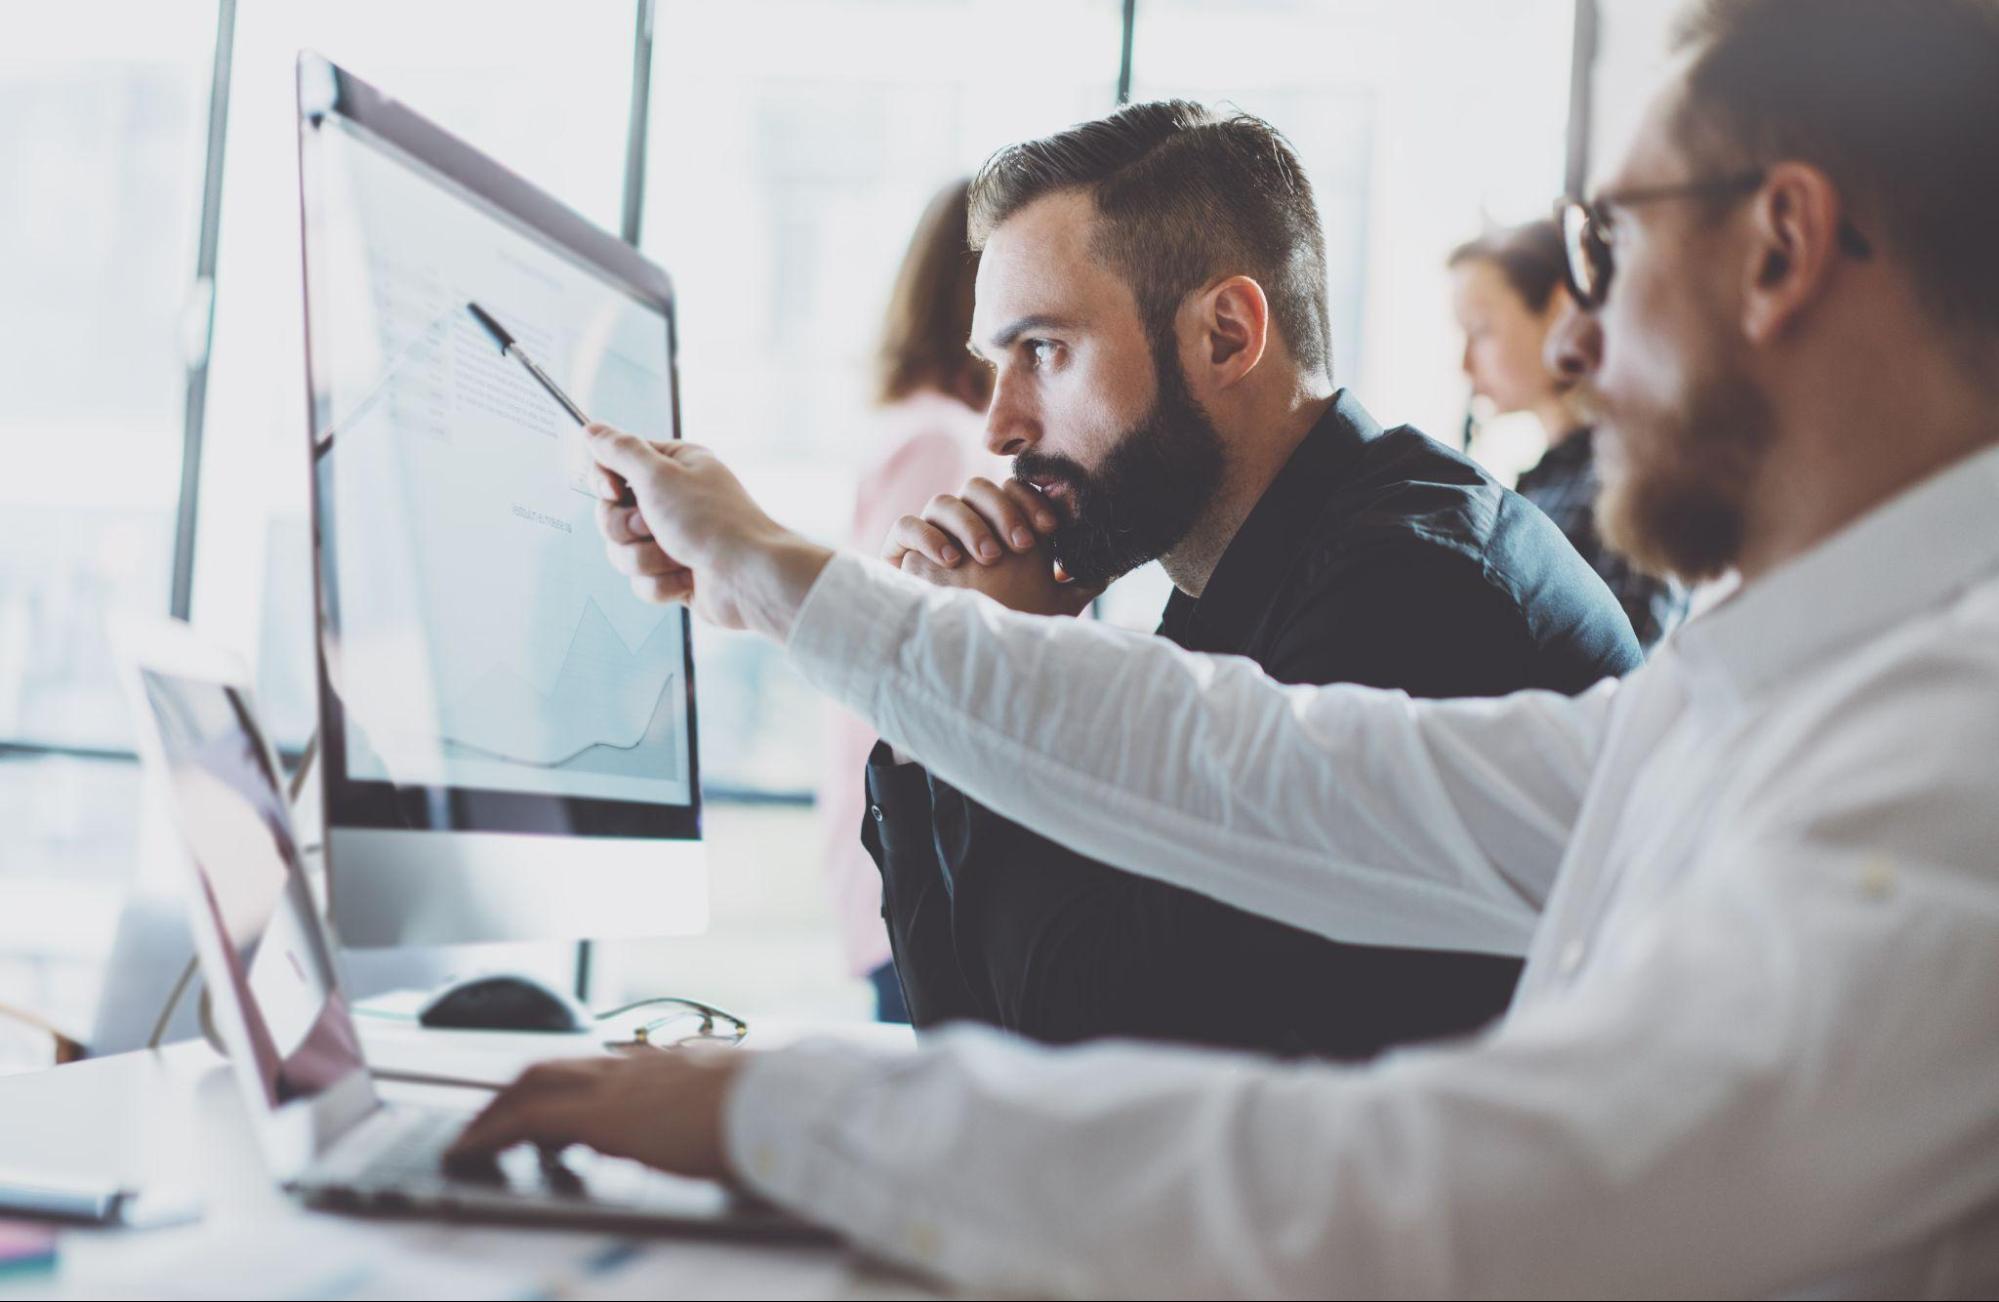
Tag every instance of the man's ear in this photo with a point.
(1231, 330)
(1794, 243)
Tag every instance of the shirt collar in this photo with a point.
(1904, 556)
(1261, 555)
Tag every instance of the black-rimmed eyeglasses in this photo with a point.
(1586, 226)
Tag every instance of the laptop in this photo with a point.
(268, 961)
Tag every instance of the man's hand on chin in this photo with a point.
(662, 1107)
(1023, 581)
(694, 535)
(992, 539)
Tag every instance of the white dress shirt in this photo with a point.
(1755, 1049)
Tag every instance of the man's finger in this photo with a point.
(549, 1119)
(627, 454)
(665, 589)
(641, 559)
(560, 1074)
(1031, 501)
(917, 565)
(967, 526)
(1001, 512)
(539, 1083)
(622, 524)
(914, 534)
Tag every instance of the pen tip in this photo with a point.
(492, 327)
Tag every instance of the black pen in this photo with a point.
(510, 347)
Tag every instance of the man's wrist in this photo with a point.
(768, 579)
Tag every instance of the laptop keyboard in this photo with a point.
(414, 1151)
(396, 1159)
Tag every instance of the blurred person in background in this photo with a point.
(1508, 293)
(929, 420)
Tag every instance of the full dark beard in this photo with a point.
(1148, 492)
(1680, 506)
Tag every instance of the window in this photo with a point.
(811, 174)
(106, 112)
(550, 98)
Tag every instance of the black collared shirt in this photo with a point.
(1563, 484)
(1383, 557)
(1375, 557)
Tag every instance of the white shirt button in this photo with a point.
(1571, 957)
(1877, 878)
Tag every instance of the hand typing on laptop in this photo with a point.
(660, 1107)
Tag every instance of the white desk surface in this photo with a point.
(177, 1113)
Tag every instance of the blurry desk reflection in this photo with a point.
(175, 1116)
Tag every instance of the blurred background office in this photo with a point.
(773, 155)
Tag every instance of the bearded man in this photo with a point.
(1151, 298)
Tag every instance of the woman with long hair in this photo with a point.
(931, 397)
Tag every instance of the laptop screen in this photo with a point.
(232, 813)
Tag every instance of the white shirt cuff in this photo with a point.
(847, 631)
(781, 1130)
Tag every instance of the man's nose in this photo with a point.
(1575, 345)
(1010, 428)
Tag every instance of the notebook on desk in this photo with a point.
(267, 959)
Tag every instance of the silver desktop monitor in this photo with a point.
(507, 732)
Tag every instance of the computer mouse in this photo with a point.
(504, 1002)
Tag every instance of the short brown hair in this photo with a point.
(929, 316)
(1184, 195)
(1897, 102)
(1531, 257)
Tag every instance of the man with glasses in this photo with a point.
(1756, 1047)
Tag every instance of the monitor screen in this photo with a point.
(251, 888)
(483, 665)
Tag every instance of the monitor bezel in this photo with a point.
(326, 92)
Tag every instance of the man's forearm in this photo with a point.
(768, 581)
(1358, 814)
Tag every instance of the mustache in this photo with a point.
(1046, 467)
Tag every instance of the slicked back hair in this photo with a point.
(1184, 196)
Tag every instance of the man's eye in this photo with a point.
(1041, 350)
